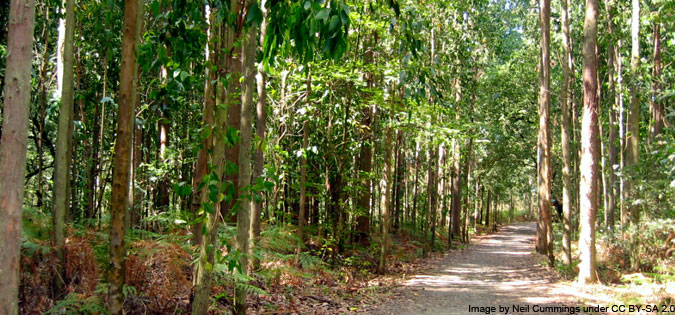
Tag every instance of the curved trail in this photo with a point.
(500, 269)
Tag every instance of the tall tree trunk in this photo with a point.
(244, 213)
(260, 125)
(163, 189)
(398, 178)
(122, 158)
(43, 109)
(100, 172)
(418, 157)
(303, 174)
(16, 104)
(565, 133)
(612, 146)
(655, 104)
(633, 120)
(365, 167)
(544, 237)
(589, 149)
(63, 144)
(456, 203)
(487, 208)
(93, 166)
(468, 160)
(209, 208)
(234, 66)
(618, 66)
(386, 199)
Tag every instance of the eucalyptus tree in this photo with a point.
(614, 94)
(632, 149)
(121, 159)
(588, 188)
(244, 213)
(544, 223)
(13, 144)
(63, 140)
(211, 157)
(565, 133)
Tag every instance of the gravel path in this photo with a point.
(497, 270)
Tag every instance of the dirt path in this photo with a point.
(498, 270)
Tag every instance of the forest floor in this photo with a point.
(501, 269)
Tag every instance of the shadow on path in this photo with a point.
(499, 270)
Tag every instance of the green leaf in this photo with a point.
(254, 14)
(323, 14)
(334, 21)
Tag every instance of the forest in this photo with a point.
(306, 156)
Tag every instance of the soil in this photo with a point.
(497, 270)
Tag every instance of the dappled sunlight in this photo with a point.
(498, 270)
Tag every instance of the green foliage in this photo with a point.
(643, 245)
(76, 303)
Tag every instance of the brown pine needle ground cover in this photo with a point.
(159, 276)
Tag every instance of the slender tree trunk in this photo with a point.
(16, 104)
(202, 165)
(365, 167)
(468, 160)
(93, 167)
(633, 119)
(260, 125)
(234, 66)
(589, 151)
(418, 157)
(655, 104)
(303, 175)
(100, 172)
(209, 208)
(163, 189)
(544, 237)
(612, 146)
(244, 213)
(135, 149)
(487, 208)
(565, 133)
(386, 199)
(398, 179)
(456, 203)
(63, 145)
(43, 110)
(618, 66)
(121, 160)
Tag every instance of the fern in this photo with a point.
(308, 261)
(76, 303)
(250, 289)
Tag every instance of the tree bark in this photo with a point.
(16, 104)
(365, 167)
(43, 109)
(588, 187)
(260, 126)
(244, 213)
(656, 105)
(303, 176)
(63, 144)
(209, 208)
(612, 146)
(565, 133)
(386, 199)
(633, 119)
(122, 158)
(456, 203)
(468, 160)
(544, 237)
